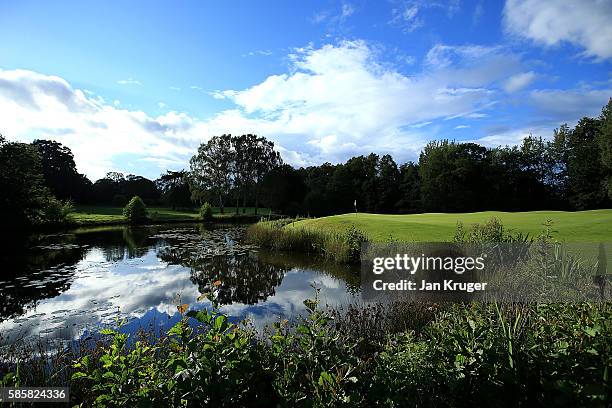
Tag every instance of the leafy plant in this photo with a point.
(206, 213)
(135, 211)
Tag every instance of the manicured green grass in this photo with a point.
(93, 215)
(579, 226)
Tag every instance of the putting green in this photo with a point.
(578, 226)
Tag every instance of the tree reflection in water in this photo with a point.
(244, 277)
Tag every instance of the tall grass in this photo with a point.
(278, 235)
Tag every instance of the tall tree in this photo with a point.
(388, 184)
(243, 167)
(24, 196)
(454, 176)
(211, 170)
(174, 188)
(283, 189)
(584, 170)
(605, 146)
(60, 172)
(139, 186)
(409, 187)
(264, 159)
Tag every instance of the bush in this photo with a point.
(135, 211)
(206, 212)
(57, 211)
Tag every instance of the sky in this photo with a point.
(136, 86)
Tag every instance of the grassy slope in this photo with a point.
(91, 215)
(580, 226)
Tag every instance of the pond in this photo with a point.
(67, 286)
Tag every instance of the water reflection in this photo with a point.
(66, 285)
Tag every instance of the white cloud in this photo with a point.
(44, 106)
(584, 23)
(568, 105)
(174, 88)
(335, 101)
(161, 105)
(462, 127)
(340, 99)
(519, 81)
(129, 81)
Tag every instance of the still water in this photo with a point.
(67, 286)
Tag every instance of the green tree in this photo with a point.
(264, 159)
(284, 190)
(605, 146)
(388, 184)
(409, 188)
(243, 167)
(24, 196)
(454, 176)
(60, 172)
(206, 212)
(211, 170)
(135, 211)
(174, 188)
(584, 171)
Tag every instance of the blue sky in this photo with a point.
(136, 86)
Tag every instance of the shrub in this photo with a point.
(57, 211)
(135, 211)
(206, 212)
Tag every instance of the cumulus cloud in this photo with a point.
(334, 102)
(338, 96)
(519, 81)
(35, 105)
(584, 23)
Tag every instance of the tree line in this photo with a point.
(571, 171)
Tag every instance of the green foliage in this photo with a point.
(25, 201)
(483, 354)
(340, 247)
(206, 212)
(135, 211)
(60, 172)
(314, 365)
(58, 211)
(492, 231)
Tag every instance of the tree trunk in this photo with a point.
(221, 205)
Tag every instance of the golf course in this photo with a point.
(576, 226)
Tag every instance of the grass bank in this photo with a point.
(106, 215)
(577, 226)
(340, 246)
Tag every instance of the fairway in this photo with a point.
(100, 215)
(579, 226)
